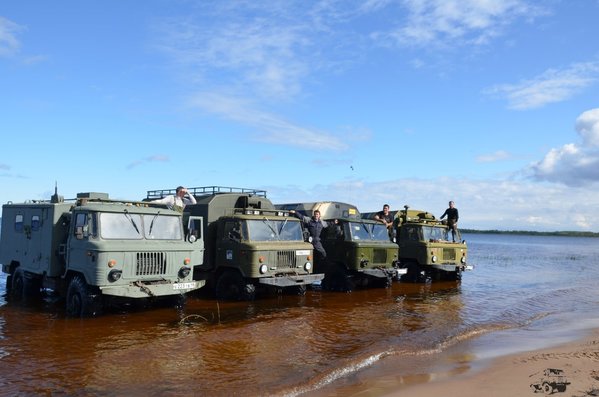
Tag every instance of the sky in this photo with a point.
(491, 104)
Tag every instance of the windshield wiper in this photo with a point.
(152, 223)
(369, 232)
(283, 225)
(265, 220)
(132, 221)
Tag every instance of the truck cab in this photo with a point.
(359, 252)
(249, 244)
(425, 250)
(92, 249)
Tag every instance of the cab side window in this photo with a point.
(19, 223)
(81, 228)
(35, 223)
(231, 231)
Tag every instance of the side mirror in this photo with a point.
(79, 232)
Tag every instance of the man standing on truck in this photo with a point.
(179, 200)
(452, 219)
(315, 226)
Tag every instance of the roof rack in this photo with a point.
(206, 191)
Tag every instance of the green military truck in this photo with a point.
(425, 250)
(359, 253)
(92, 249)
(248, 242)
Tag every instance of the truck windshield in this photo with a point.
(433, 233)
(162, 227)
(128, 226)
(368, 231)
(274, 230)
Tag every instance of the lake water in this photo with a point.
(525, 292)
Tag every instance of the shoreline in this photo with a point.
(513, 374)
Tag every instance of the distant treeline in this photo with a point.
(533, 233)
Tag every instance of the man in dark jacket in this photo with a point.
(452, 219)
(315, 226)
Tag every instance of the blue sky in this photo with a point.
(492, 104)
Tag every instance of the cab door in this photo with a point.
(80, 255)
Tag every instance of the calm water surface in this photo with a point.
(525, 292)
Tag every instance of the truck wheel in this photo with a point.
(384, 282)
(337, 279)
(8, 285)
(23, 288)
(413, 275)
(451, 276)
(547, 388)
(231, 286)
(298, 290)
(81, 301)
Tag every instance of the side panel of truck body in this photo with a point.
(32, 235)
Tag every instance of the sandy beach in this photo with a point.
(513, 375)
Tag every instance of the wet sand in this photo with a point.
(512, 375)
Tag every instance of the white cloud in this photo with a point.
(572, 164)
(272, 129)
(260, 56)
(549, 87)
(9, 44)
(483, 204)
(149, 159)
(587, 125)
(493, 157)
(457, 22)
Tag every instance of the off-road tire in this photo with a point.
(299, 290)
(338, 279)
(231, 286)
(8, 285)
(413, 275)
(82, 300)
(23, 288)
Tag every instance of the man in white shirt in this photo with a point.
(179, 200)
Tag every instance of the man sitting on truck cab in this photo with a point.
(179, 200)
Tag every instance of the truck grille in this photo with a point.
(449, 254)
(379, 255)
(286, 259)
(150, 263)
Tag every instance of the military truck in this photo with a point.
(94, 251)
(359, 253)
(551, 380)
(425, 250)
(249, 243)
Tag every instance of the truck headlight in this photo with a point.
(463, 260)
(308, 266)
(184, 272)
(114, 275)
(434, 258)
(263, 269)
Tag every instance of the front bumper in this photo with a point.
(142, 290)
(290, 281)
